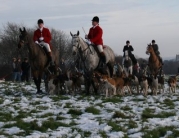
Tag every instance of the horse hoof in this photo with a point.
(39, 92)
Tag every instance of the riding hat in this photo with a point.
(40, 21)
(153, 41)
(95, 18)
(127, 42)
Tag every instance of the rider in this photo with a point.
(156, 49)
(129, 48)
(42, 37)
(95, 37)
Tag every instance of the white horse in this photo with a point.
(90, 59)
(128, 67)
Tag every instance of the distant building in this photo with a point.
(177, 57)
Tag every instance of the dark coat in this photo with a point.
(14, 66)
(155, 47)
(25, 66)
(18, 66)
(129, 48)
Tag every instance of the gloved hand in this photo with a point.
(89, 42)
(41, 38)
(86, 36)
(36, 42)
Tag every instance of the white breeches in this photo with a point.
(100, 48)
(46, 45)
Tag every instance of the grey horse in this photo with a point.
(128, 67)
(90, 58)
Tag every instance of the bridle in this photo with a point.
(78, 45)
(80, 51)
(23, 40)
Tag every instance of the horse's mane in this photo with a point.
(82, 41)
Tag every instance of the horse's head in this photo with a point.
(22, 37)
(75, 42)
(149, 49)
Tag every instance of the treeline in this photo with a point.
(9, 38)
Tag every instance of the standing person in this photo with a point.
(19, 71)
(62, 65)
(129, 48)
(42, 36)
(156, 49)
(14, 66)
(95, 37)
(25, 66)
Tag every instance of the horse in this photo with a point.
(37, 58)
(128, 66)
(154, 64)
(90, 59)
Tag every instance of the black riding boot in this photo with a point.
(103, 59)
(50, 59)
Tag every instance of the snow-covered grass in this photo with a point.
(25, 114)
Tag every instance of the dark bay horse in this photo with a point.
(37, 58)
(154, 64)
(90, 58)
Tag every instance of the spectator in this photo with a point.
(18, 67)
(14, 65)
(25, 66)
(62, 65)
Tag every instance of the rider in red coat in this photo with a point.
(95, 37)
(43, 37)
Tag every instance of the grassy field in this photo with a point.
(25, 114)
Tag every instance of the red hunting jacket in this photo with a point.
(95, 35)
(45, 33)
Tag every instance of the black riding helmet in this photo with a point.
(96, 19)
(153, 41)
(127, 42)
(40, 21)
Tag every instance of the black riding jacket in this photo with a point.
(129, 48)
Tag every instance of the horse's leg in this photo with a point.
(110, 66)
(87, 85)
(45, 81)
(36, 83)
(35, 78)
(39, 81)
(94, 87)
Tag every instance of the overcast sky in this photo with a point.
(139, 21)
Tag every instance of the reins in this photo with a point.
(80, 51)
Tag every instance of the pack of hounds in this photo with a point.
(71, 82)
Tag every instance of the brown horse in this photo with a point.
(154, 64)
(37, 58)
